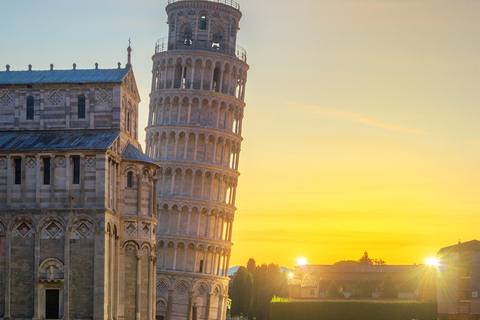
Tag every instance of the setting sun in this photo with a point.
(431, 261)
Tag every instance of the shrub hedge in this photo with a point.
(352, 310)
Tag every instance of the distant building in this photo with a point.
(459, 282)
(312, 281)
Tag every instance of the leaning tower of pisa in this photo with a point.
(194, 133)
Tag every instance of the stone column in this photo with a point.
(228, 264)
(185, 151)
(190, 305)
(36, 307)
(207, 311)
(38, 178)
(151, 280)
(153, 287)
(220, 308)
(117, 276)
(170, 304)
(8, 262)
(66, 274)
(99, 291)
(189, 112)
(111, 273)
(212, 267)
(138, 287)
(139, 194)
(203, 75)
(192, 77)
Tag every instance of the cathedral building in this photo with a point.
(77, 197)
(194, 134)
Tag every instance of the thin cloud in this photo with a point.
(355, 117)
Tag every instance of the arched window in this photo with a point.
(216, 79)
(217, 38)
(129, 179)
(81, 106)
(203, 22)
(188, 36)
(128, 122)
(30, 107)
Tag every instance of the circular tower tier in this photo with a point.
(194, 133)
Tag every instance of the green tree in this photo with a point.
(389, 288)
(333, 291)
(362, 290)
(268, 281)
(365, 260)
(242, 289)
(251, 264)
(346, 263)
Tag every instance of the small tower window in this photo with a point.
(201, 266)
(18, 170)
(81, 106)
(217, 38)
(128, 122)
(216, 79)
(129, 179)
(30, 107)
(203, 22)
(76, 169)
(46, 170)
(188, 36)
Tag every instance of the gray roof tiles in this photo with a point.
(63, 76)
(133, 154)
(56, 140)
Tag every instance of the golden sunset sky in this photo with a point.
(362, 125)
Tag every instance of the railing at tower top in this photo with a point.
(230, 3)
(163, 45)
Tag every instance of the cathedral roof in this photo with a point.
(63, 76)
(133, 154)
(57, 140)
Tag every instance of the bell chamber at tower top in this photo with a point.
(203, 25)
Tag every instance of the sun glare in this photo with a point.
(431, 262)
(290, 275)
(301, 261)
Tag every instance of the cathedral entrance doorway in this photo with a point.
(52, 302)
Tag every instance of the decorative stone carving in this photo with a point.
(31, 162)
(23, 229)
(5, 98)
(90, 161)
(130, 249)
(162, 286)
(53, 229)
(55, 98)
(146, 229)
(103, 95)
(83, 229)
(3, 163)
(216, 292)
(201, 289)
(130, 228)
(60, 162)
(181, 287)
